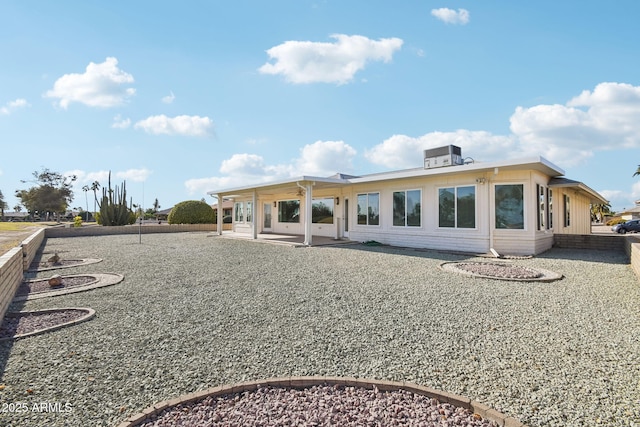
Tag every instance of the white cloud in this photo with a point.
(101, 85)
(11, 106)
(338, 62)
(120, 123)
(169, 98)
(135, 175)
(322, 158)
(450, 16)
(179, 125)
(402, 151)
(606, 118)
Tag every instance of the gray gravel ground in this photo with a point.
(196, 311)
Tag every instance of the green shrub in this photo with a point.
(192, 212)
(77, 221)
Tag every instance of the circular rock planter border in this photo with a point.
(79, 262)
(102, 280)
(89, 314)
(540, 274)
(481, 409)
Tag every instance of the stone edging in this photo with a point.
(102, 280)
(85, 261)
(547, 275)
(90, 314)
(304, 382)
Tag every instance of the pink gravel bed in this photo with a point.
(499, 270)
(37, 286)
(25, 323)
(323, 405)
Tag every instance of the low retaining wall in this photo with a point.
(632, 248)
(605, 242)
(30, 246)
(13, 264)
(11, 271)
(629, 244)
(99, 230)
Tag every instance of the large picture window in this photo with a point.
(509, 199)
(406, 208)
(369, 209)
(322, 211)
(457, 207)
(289, 211)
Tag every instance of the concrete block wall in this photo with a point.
(128, 229)
(632, 248)
(11, 270)
(30, 246)
(606, 242)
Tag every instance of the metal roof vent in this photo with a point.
(449, 155)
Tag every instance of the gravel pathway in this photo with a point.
(196, 311)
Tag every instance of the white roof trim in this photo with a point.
(539, 163)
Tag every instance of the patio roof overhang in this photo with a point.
(594, 197)
(278, 187)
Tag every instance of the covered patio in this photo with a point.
(296, 240)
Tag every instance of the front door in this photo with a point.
(266, 218)
(346, 218)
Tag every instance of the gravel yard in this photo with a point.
(196, 311)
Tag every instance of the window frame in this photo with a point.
(332, 207)
(281, 204)
(523, 206)
(456, 211)
(368, 215)
(406, 213)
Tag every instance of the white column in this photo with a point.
(307, 214)
(254, 215)
(219, 214)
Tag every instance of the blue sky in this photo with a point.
(179, 98)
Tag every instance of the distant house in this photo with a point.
(633, 213)
(163, 214)
(227, 211)
(511, 206)
(16, 216)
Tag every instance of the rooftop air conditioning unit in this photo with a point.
(448, 155)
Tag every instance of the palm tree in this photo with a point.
(95, 186)
(3, 205)
(86, 188)
(637, 171)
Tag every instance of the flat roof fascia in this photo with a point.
(537, 163)
(596, 198)
(273, 184)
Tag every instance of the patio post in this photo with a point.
(307, 214)
(220, 210)
(254, 212)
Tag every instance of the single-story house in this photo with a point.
(227, 211)
(512, 206)
(633, 213)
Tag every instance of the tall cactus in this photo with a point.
(114, 210)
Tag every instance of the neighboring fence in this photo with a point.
(98, 230)
(12, 266)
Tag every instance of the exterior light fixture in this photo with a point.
(337, 200)
(275, 204)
